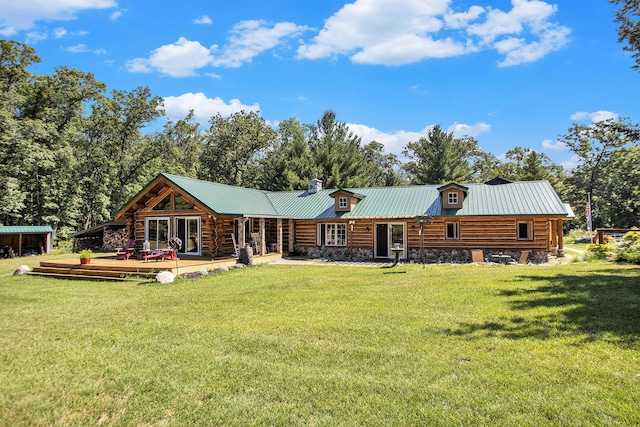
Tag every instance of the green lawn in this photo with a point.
(325, 345)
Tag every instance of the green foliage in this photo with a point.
(603, 252)
(439, 158)
(86, 253)
(608, 155)
(628, 19)
(629, 249)
(234, 147)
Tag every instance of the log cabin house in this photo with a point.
(422, 222)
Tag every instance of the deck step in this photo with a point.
(151, 268)
(80, 277)
(90, 274)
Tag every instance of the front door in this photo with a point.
(188, 231)
(382, 241)
(389, 239)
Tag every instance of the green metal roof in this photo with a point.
(517, 198)
(225, 199)
(25, 229)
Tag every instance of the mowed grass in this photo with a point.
(326, 345)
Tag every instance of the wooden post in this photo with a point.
(292, 245)
(560, 238)
(263, 242)
(241, 231)
(554, 237)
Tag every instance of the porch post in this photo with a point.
(263, 243)
(241, 239)
(291, 236)
(554, 236)
(279, 237)
(560, 238)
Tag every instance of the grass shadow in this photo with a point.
(603, 304)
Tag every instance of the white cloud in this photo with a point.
(184, 57)
(462, 19)
(460, 129)
(34, 37)
(16, 16)
(596, 116)
(115, 15)
(59, 32)
(180, 59)
(203, 20)
(138, 65)
(250, 38)
(571, 163)
(555, 146)
(78, 48)
(177, 107)
(396, 32)
(394, 142)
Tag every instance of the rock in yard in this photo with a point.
(21, 270)
(165, 277)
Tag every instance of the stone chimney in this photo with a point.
(315, 184)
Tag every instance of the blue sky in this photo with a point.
(509, 73)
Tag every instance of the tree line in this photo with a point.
(73, 153)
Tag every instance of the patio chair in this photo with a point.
(126, 252)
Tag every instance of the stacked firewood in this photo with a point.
(114, 239)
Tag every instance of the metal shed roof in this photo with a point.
(25, 229)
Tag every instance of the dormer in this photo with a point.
(345, 200)
(453, 195)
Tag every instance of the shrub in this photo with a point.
(630, 247)
(606, 251)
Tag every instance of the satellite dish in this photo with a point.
(175, 243)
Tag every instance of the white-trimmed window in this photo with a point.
(452, 230)
(332, 234)
(452, 198)
(342, 202)
(525, 230)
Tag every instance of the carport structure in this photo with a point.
(26, 240)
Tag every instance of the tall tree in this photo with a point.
(438, 158)
(287, 164)
(337, 153)
(381, 169)
(628, 19)
(15, 147)
(234, 148)
(186, 142)
(594, 145)
(121, 118)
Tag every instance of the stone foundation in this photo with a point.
(431, 256)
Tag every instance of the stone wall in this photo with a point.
(431, 256)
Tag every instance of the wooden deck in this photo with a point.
(110, 269)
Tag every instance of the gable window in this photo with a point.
(181, 204)
(342, 202)
(525, 230)
(452, 198)
(452, 230)
(164, 204)
(332, 234)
